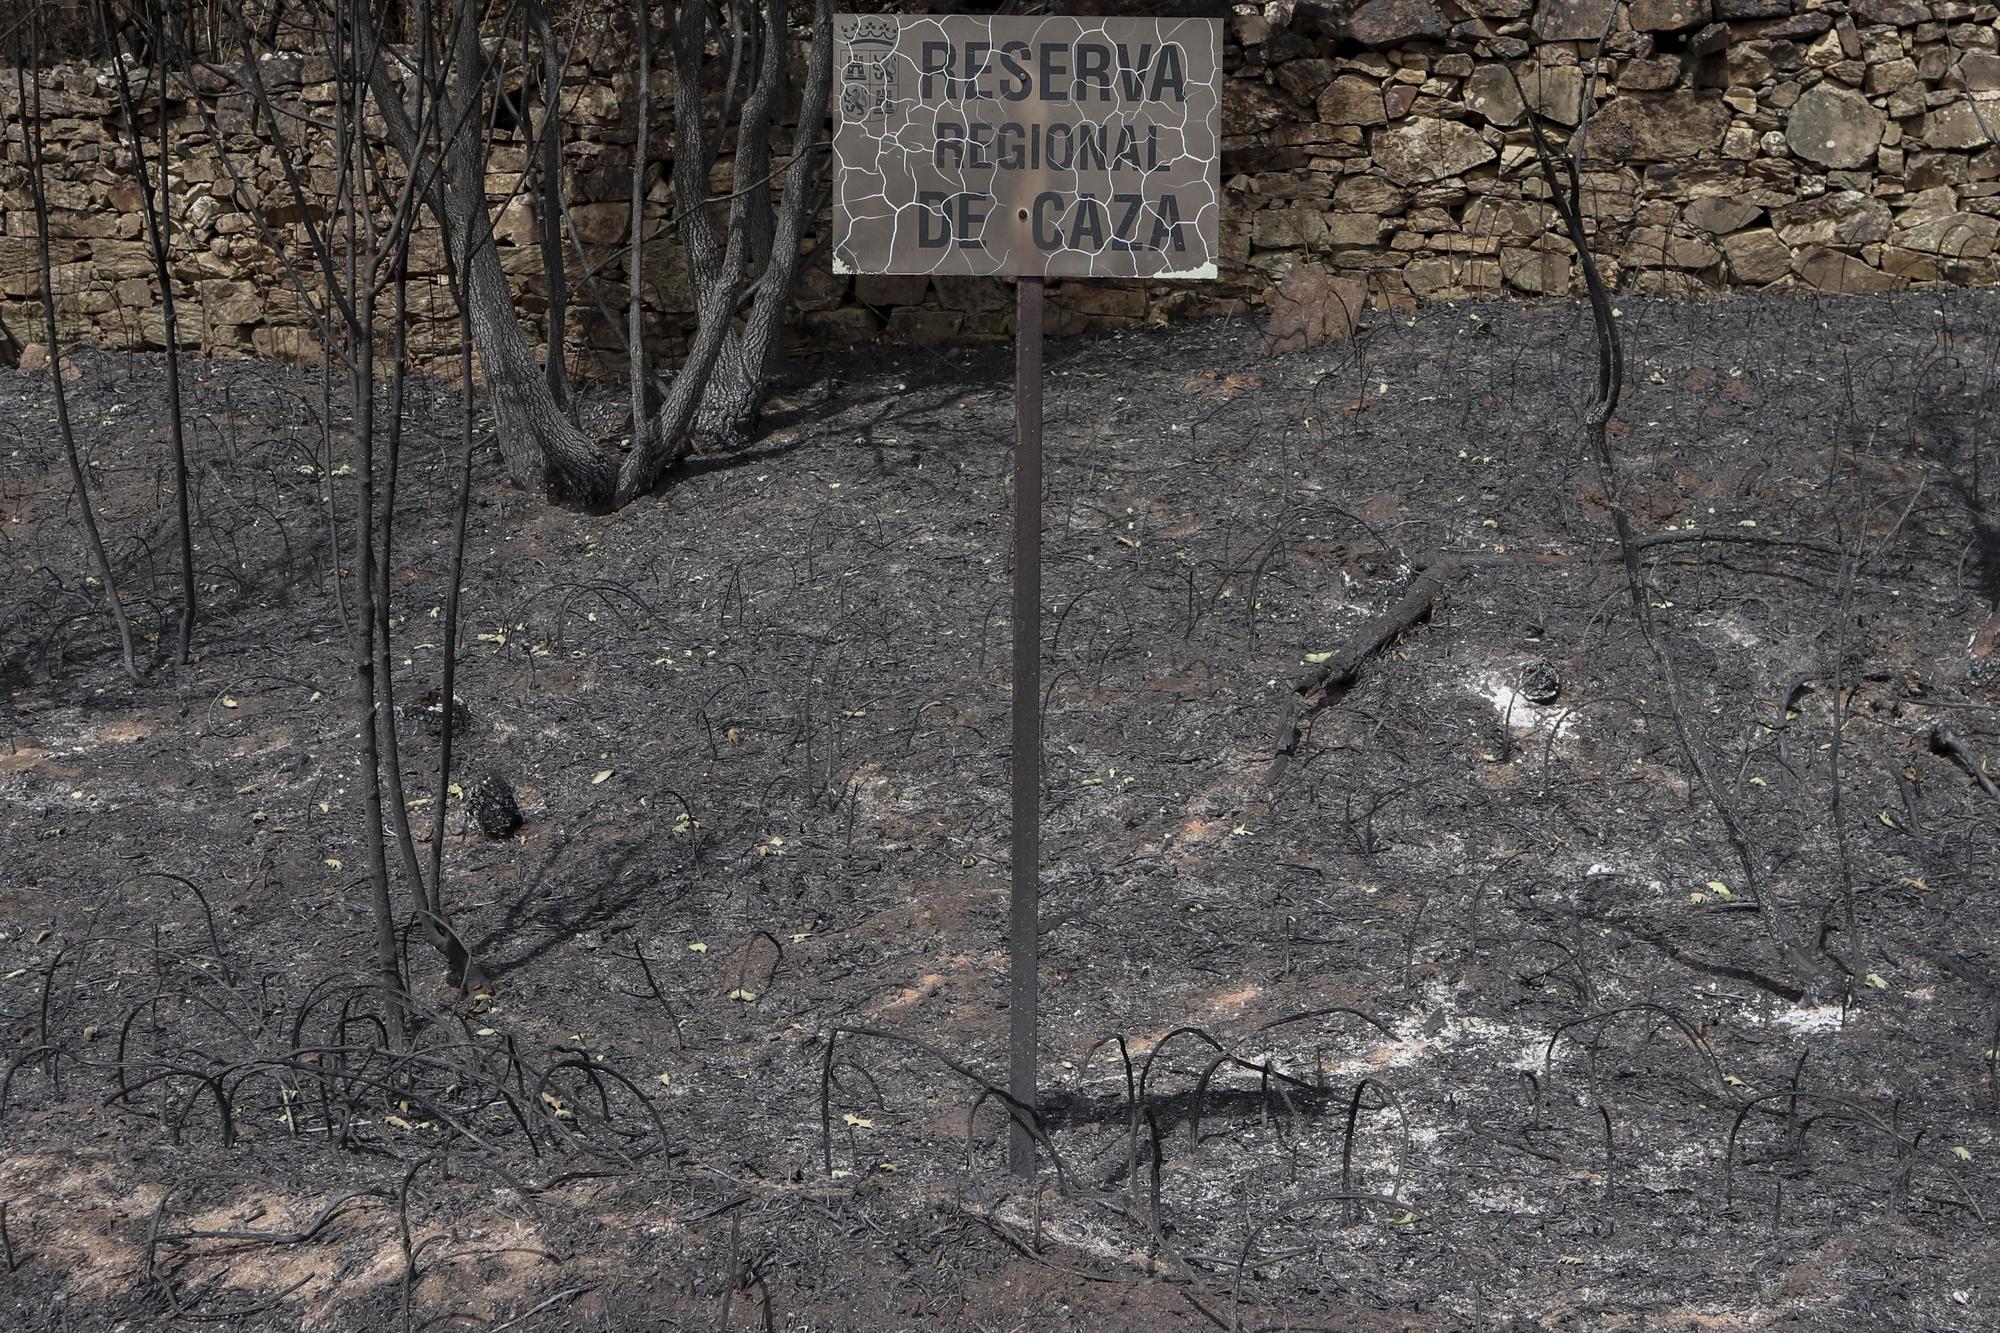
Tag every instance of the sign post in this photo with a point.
(1024, 901)
(1032, 148)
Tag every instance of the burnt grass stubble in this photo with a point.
(757, 729)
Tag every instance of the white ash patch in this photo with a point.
(1625, 875)
(1414, 1044)
(1518, 715)
(1736, 631)
(1810, 1017)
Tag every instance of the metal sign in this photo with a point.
(1049, 147)
(1032, 148)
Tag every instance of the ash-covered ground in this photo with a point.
(1477, 1011)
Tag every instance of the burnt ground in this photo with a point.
(1515, 1042)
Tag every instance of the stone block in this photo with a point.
(1571, 20)
(1952, 235)
(1288, 228)
(881, 289)
(1957, 125)
(1658, 129)
(1313, 307)
(1554, 91)
(1890, 76)
(1378, 24)
(1541, 272)
(1104, 301)
(1830, 270)
(1648, 75)
(1353, 100)
(1720, 216)
(1353, 229)
(1757, 257)
(1428, 149)
(1669, 15)
(1657, 247)
(1834, 127)
(846, 325)
(601, 224)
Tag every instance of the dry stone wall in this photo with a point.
(1844, 146)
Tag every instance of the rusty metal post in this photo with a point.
(1023, 1018)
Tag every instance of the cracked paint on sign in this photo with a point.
(1027, 146)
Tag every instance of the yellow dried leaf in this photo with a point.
(600, 776)
(742, 996)
(858, 1121)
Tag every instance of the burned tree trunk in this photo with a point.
(539, 441)
(750, 356)
(27, 51)
(156, 213)
(720, 385)
(360, 253)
